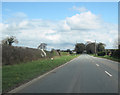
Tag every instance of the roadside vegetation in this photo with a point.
(98, 50)
(113, 54)
(15, 75)
(107, 57)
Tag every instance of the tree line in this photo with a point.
(89, 47)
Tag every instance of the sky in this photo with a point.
(60, 24)
(60, 0)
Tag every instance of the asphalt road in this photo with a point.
(85, 74)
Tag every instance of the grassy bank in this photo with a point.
(15, 75)
(107, 57)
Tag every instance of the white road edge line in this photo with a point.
(108, 73)
(41, 76)
(97, 65)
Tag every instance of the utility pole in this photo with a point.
(95, 47)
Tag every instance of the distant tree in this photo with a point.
(79, 48)
(52, 49)
(68, 50)
(9, 41)
(90, 48)
(100, 47)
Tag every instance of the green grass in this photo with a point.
(17, 74)
(64, 53)
(107, 57)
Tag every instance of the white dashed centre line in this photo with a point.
(97, 65)
(108, 74)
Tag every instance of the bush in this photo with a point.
(101, 53)
(116, 53)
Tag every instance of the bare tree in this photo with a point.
(9, 41)
(88, 42)
(42, 47)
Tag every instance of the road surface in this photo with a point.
(85, 74)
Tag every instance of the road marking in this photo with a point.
(108, 73)
(97, 65)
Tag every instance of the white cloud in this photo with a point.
(20, 15)
(79, 9)
(84, 21)
(60, 34)
(23, 23)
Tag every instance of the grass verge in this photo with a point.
(15, 75)
(107, 57)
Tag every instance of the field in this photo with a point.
(15, 75)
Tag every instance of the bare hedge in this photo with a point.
(15, 55)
